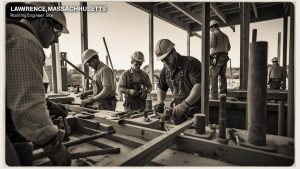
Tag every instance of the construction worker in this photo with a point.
(104, 84)
(219, 47)
(182, 74)
(276, 75)
(27, 117)
(135, 84)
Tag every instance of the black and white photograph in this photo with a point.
(149, 83)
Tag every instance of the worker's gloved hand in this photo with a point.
(57, 152)
(86, 102)
(143, 95)
(56, 109)
(180, 110)
(133, 92)
(160, 107)
(83, 95)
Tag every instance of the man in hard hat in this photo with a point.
(135, 84)
(104, 84)
(27, 117)
(276, 75)
(182, 74)
(219, 47)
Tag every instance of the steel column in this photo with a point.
(151, 59)
(257, 94)
(205, 61)
(84, 42)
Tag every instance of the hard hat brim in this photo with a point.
(65, 30)
(158, 58)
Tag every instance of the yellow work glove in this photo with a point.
(180, 109)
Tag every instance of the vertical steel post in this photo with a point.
(278, 47)
(284, 47)
(84, 43)
(254, 35)
(205, 61)
(281, 127)
(257, 90)
(151, 59)
(222, 117)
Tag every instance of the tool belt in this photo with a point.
(213, 58)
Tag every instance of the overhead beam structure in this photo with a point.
(187, 12)
(221, 15)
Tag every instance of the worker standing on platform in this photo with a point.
(182, 74)
(27, 117)
(276, 76)
(135, 84)
(104, 84)
(219, 47)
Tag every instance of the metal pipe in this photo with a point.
(95, 153)
(281, 127)
(284, 47)
(89, 138)
(222, 117)
(188, 44)
(151, 39)
(278, 47)
(257, 90)
(84, 42)
(80, 71)
(112, 67)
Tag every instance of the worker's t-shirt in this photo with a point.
(104, 78)
(181, 80)
(219, 42)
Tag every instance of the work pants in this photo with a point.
(219, 69)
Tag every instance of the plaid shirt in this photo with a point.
(25, 93)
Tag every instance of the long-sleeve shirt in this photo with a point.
(219, 42)
(25, 93)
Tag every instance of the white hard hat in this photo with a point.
(275, 59)
(88, 54)
(213, 22)
(163, 48)
(138, 56)
(57, 16)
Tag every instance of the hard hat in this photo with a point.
(57, 16)
(275, 59)
(213, 22)
(163, 48)
(138, 56)
(88, 54)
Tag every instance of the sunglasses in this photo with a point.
(56, 27)
(137, 63)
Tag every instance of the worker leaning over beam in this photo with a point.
(276, 76)
(135, 84)
(182, 74)
(219, 47)
(104, 84)
(27, 117)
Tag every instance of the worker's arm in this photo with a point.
(25, 93)
(122, 88)
(148, 84)
(161, 95)
(107, 79)
(195, 94)
(213, 42)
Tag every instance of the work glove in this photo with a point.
(57, 152)
(56, 109)
(88, 101)
(133, 92)
(180, 110)
(160, 107)
(143, 95)
(83, 95)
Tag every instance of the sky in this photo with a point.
(126, 30)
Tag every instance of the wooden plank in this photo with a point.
(232, 154)
(148, 151)
(220, 14)
(271, 94)
(186, 11)
(172, 157)
(120, 138)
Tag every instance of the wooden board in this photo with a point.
(172, 157)
(232, 154)
(271, 94)
(151, 149)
